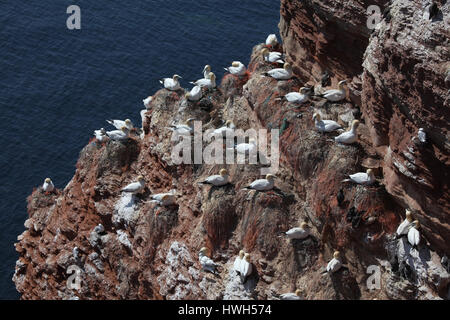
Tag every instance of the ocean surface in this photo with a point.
(59, 85)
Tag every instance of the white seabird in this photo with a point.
(299, 97)
(246, 268)
(135, 187)
(183, 129)
(164, 199)
(325, 125)
(237, 68)
(118, 135)
(263, 184)
(335, 264)
(404, 227)
(272, 57)
(195, 94)
(100, 135)
(299, 233)
(271, 40)
(217, 180)
(48, 185)
(350, 136)
(291, 295)
(414, 234)
(365, 178)
(206, 71)
(335, 95)
(422, 135)
(237, 261)
(208, 83)
(99, 229)
(206, 262)
(121, 123)
(171, 84)
(244, 148)
(227, 129)
(147, 102)
(284, 73)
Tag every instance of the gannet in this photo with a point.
(335, 95)
(404, 227)
(244, 148)
(237, 68)
(100, 135)
(206, 262)
(271, 40)
(118, 135)
(217, 180)
(76, 253)
(120, 123)
(171, 84)
(206, 71)
(364, 178)
(237, 261)
(299, 233)
(335, 264)
(263, 184)
(195, 94)
(272, 57)
(246, 268)
(48, 185)
(291, 296)
(135, 187)
(284, 73)
(227, 129)
(99, 228)
(350, 136)
(422, 135)
(414, 234)
(206, 82)
(147, 102)
(325, 125)
(183, 129)
(298, 97)
(164, 199)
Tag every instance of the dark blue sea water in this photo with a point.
(58, 85)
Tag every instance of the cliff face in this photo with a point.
(148, 251)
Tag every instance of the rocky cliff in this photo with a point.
(147, 251)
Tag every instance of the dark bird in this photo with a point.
(340, 197)
(325, 79)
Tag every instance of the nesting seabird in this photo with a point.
(272, 57)
(244, 148)
(147, 102)
(364, 178)
(246, 268)
(271, 40)
(237, 262)
(208, 83)
(100, 135)
(325, 125)
(183, 129)
(335, 264)
(206, 71)
(171, 84)
(48, 185)
(237, 68)
(164, 199)
(217, 180)
(263, 184)
(195, 94)
(299, 97)
(284, 73)
(121, 123)
(228, 129)
(422, 135)
(299, 233)
(414, 234)
(335, 95)
(135, 187)
(99, 229)
(291, 295)
(350, 136)
(118, 135)
(406, 224)
(206, 262)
